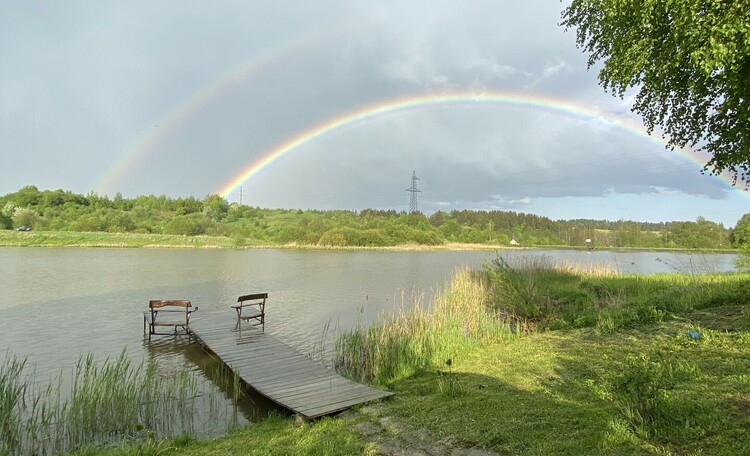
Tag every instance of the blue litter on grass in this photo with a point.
(694, 334)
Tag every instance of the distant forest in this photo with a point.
(58, 210)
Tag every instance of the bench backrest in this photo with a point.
(159, 303)
(252, 297)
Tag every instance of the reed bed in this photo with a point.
(109, 402)
(551, 295)
(422, 336)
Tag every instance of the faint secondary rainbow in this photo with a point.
(168, 123)
(426, 101)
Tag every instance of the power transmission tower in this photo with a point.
(413, 190)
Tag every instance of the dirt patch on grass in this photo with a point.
(392, 437)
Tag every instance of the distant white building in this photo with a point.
(514, 242)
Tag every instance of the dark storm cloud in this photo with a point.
(83, 85)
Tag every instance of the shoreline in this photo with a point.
(10, 238)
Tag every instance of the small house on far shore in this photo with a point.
(514, 243)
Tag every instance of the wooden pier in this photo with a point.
(276, 370)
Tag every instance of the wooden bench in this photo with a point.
(252, 308)
(173, 314)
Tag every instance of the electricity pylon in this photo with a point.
(413, 190)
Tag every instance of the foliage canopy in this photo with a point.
(690, 61)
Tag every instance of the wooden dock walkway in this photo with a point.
(276, 370)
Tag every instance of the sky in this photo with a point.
(333, 105)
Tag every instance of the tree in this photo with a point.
(25, 217)
(741, 238)
(690, 61)
(741, 233)
(215, 207)
(5, 222)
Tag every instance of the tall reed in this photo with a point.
(12, 398)
(422, 336)
(109, 401)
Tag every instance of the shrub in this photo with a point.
(641, 389)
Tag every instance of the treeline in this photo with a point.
(58, 210)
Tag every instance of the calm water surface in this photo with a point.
(58, 304)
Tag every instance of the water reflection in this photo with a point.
(222, 401)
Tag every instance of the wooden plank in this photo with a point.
(273, 359)
(267, 358)
(283, 371)
(281, 377)
(330, 408)
(278, 371)
(312, 394)
(336, 387)
(258, 351)
(291, 381)
(261, 368)
(229, 334)
(316, 385)
(307, 403)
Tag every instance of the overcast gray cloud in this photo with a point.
(176, 98)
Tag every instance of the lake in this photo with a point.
(58, 304)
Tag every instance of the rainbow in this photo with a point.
(168, 123)
(380, 109)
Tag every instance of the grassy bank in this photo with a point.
(11, 238)
(646, 390)
(537, 358)
(274, 436)
(634, 365)
(551, 295)
(101, 239)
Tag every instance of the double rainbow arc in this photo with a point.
(381, 109)
(172, 120)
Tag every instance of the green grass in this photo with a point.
(575, 392)
(559, 296)
(101, 239)
(273, 436)
(639, 385)
(10, 238)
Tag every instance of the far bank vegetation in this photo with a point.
(242, 225)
